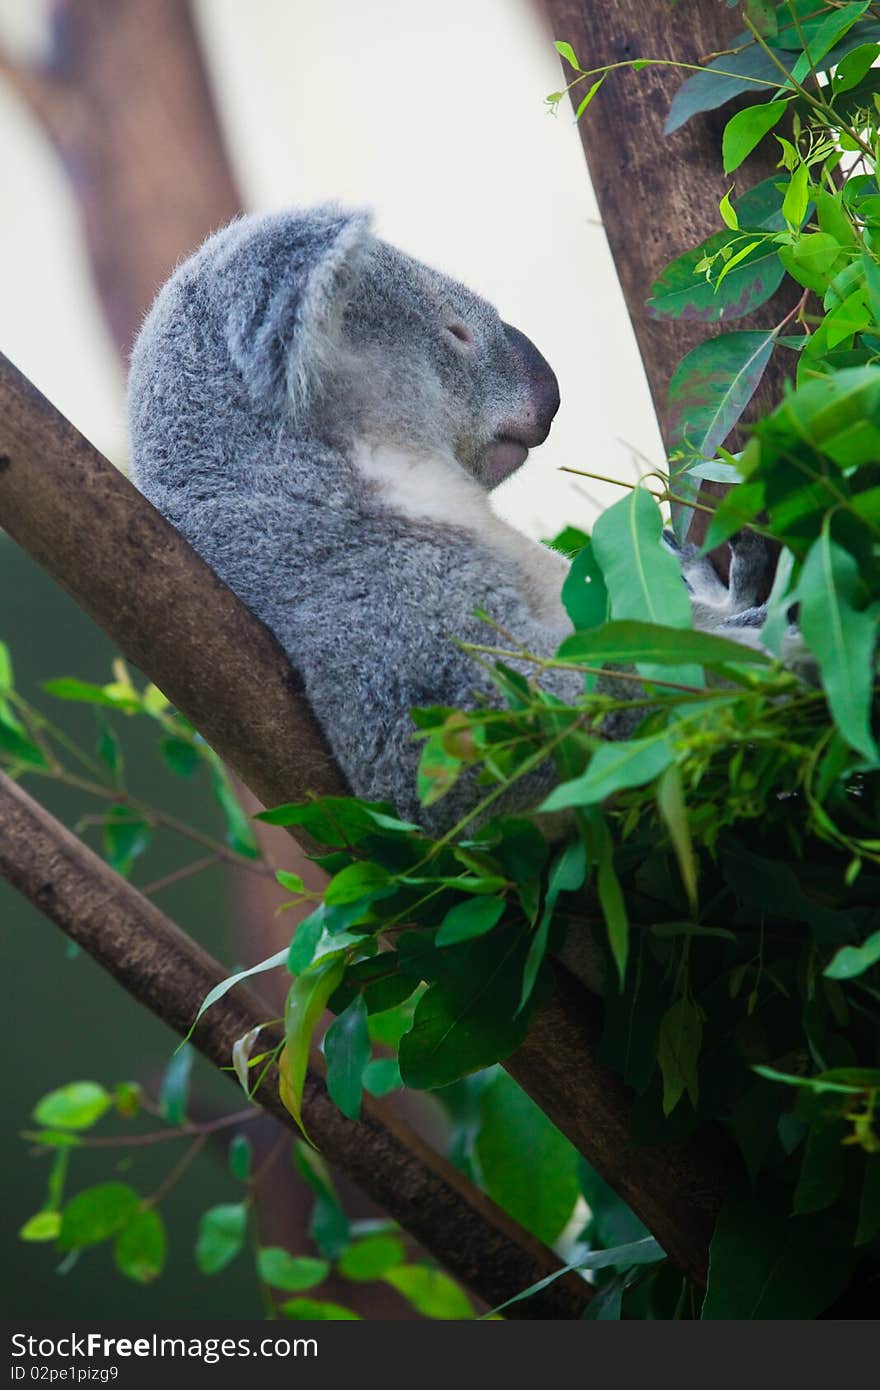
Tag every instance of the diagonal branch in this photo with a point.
(165, 970)
(170, 615)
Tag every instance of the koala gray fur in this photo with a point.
(323, 417)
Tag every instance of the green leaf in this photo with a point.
(438, 769)
(586, 100)
(336, 821)
(840, 637)
(613, 767)
(16, 746)
(181, 757)
(316, 1310)
(643, 577)
(240, 1154)
(854, 67)
(7, 681)
(474, 917)
(566, 51)
(610, 892)
(673, 811)
(638, 1252)
(174, 1088)
(528, 1167)
(467, 1019)
(728, 213)
(126, 837)
(747, 69)
(631, 641)
(711, 388)
(584, 595)
(279, 958)
(95, 1214)
(827, 33)
(355, 882)
(681, 292)
(678, 1051)
(797, 196)
(812, 260)
(110, 750)
(290, 1272)
(306, 1001)
(851, 961)
(347, 1052)
(139, 1249)
(372, 1258)
(44, 1226)
(848, 1081)
(431, 1293)
(292, 882)
(77, 1105)
(765, 1264)
(382, 1076)
(83, 692)
(239, 835)
(833, 218)
(393, 823)
(310, 931)
(221, 1235)
(744, 131)
(822, 1173)
(567, 874)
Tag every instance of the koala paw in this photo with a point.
(736, 609)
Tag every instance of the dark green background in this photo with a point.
(66, 1020)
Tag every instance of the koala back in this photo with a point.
(322, 417)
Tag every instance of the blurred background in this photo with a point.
(128, 130)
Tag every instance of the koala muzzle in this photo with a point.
(530, 424)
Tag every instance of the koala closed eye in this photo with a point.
(462, 334)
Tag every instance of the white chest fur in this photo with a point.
(435, 488)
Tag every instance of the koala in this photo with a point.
(324, 418)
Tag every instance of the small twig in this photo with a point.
(161, 1136)
(187, 871)
(177, 1171)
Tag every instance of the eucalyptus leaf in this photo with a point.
(347, 1052)
(841, 638)
(306, 1001)
(712, 386)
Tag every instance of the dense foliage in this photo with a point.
(725, 861)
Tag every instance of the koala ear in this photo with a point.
(287, 279)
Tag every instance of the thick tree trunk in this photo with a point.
(658, 195)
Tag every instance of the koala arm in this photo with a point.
(364, 608)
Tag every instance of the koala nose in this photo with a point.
(531, 424)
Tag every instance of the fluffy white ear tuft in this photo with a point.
(288, 277)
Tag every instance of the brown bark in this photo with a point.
(168, 612)
(658, 195)
(676, 1189)
(123, 96)
(164, 969)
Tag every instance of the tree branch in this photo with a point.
(658, 195)
(164, 969)
(170, 615)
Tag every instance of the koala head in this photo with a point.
(356, 340)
